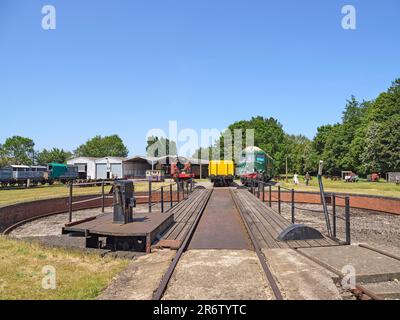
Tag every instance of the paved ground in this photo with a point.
(140, 279)
(299, 278)
(368, 265)
(218, 275)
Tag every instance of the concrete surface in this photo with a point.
(369, 266)
(386, 290)
(219, 275)
(299, 278)
(140, 279)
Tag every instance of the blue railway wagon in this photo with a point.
(38, 173)
(6, 175)
(20, 172)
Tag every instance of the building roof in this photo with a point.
(120, 159)
(18, 166)
(155, 160)
(84, 158)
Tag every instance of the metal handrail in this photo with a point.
(261, 188)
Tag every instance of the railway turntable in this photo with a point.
(121, 229)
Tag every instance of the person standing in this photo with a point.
(307, 178)
(296, 179)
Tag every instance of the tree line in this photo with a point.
(366, 140)
(19, 150)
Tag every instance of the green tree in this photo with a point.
(18, 150)
(203, 153)
(337, 144)
(160, 146)
(382, 148)
(321, 137)
(98, 147)
(54, 155)
(386, 105)
(301, 158)
(4, 160)
(268, 135)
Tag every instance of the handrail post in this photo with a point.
(71, 186)
(263, 192)
(178, 191)
(293, 218)
(258, 189)
(334, 214)
(170, 196)
(347, 216)
(150, 196)
(270, 196)
(279, 199)
(102, 196)
(162, 199)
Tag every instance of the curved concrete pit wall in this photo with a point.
(12, 214)
(368, 202)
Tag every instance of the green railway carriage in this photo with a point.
(61, 172)
(255, 165)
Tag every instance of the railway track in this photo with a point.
(219, 229)
(233, 233)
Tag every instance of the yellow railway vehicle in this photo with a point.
(221, 172)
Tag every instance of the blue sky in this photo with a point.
(128, 66)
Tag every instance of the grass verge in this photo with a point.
(79, 275)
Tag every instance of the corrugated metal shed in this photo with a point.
(110, 168)
(86, 165)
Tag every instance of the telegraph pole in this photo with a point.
(286, 169)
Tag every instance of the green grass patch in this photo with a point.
(381, 188)
(79, 275)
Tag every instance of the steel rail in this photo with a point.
(385, 253)
(260, 255)
(167, 276)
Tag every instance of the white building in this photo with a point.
(86, 167)
(109, 168)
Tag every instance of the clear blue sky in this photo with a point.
(128, 66)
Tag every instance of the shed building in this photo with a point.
(393, 177)
(136, 167)
(86, 167)
(109, 168)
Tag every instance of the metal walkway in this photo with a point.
(185, 214)
(267, 224)
(221, 226)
